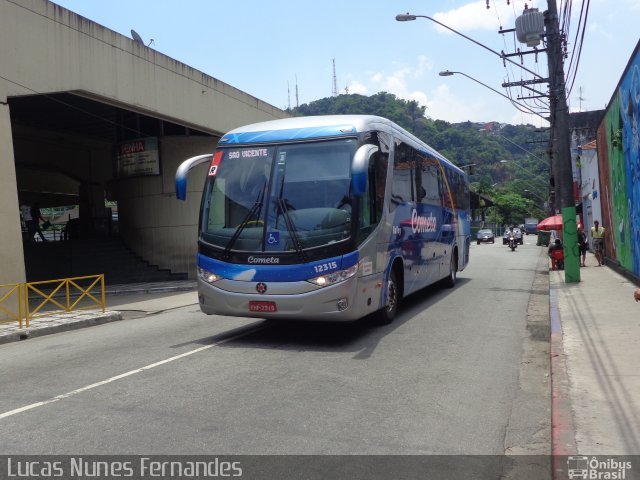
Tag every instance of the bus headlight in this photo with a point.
(208, 276)
(334, 277)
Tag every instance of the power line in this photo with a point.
(584, 29)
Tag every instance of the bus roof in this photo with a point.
(321, 126)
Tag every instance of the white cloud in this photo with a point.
(444, 105)
(356, 87)
(399, 81)
(596, 28)
(377, 78)
(632, 4)
(425, 65)
(420, 97)
(475, 16)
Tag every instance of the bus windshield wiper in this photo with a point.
(282, 204)
(245, 221)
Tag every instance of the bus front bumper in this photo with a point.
(339, 302)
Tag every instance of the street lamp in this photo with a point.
(407, 17)
(449, 73)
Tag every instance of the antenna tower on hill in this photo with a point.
(334, 91)
(580, 98)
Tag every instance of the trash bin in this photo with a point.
(543, 238)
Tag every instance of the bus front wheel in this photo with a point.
(450, 280)
(388, 312)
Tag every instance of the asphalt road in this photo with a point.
(460, 371)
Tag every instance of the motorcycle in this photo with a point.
(512, 242)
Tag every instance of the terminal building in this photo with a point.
(97, 120)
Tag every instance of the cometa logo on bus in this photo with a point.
(265, 260)
(421, 224)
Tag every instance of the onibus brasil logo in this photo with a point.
(593, 468)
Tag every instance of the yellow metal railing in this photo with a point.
(12, 293)
(67, 294)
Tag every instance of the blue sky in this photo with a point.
(267, 47)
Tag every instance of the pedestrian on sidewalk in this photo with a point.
(37, 217)
(636, 294)
(582, 246)
(556, 254)
(597, 234)
(25, 212)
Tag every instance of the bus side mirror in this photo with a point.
(183, 170)
(360, 168)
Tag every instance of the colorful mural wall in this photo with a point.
(619, 165)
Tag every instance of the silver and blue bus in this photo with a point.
(327, 218)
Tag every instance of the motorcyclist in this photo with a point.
(512, 238)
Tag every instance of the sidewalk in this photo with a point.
(138, 297)
(595, 363)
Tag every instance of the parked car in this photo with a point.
(518, 234)
(485, 235)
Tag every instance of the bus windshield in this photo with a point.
(280, 198)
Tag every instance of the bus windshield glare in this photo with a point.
(279, 198)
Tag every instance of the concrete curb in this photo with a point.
(530, 412)
(124, 290)
(41, 330)
(562, 426)
(60, 322)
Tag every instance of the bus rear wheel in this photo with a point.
(386, 315)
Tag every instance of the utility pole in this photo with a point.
(561, 149)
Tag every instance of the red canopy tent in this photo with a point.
(552, 223)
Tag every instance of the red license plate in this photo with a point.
(262, 307)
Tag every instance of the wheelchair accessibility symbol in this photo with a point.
(273, 238)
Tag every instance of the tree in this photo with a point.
(512, 208)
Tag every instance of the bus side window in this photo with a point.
(373, 200)
(372, 203)
(366, 204)
(421, 192)
(430, 184)
(402, 188)
(451, 196)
